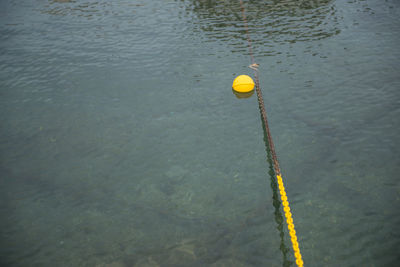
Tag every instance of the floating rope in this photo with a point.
(284, 199)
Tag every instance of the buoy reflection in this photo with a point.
(243, 95)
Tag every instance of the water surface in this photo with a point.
(123, 145)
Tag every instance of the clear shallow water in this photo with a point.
(123, 145)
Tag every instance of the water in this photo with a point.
(123, 145)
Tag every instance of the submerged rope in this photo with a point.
(284, 199)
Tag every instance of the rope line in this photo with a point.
(284, 199)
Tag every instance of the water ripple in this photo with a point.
(271, 23)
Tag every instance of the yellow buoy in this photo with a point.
(243, 84)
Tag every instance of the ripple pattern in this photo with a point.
(271, 23)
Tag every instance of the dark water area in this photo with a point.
(122, 144)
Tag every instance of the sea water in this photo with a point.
(122, 144)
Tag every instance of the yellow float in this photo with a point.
(243, 84)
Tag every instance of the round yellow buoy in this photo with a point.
(243, 84)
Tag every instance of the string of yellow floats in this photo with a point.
(289, 221)
(242, 80)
